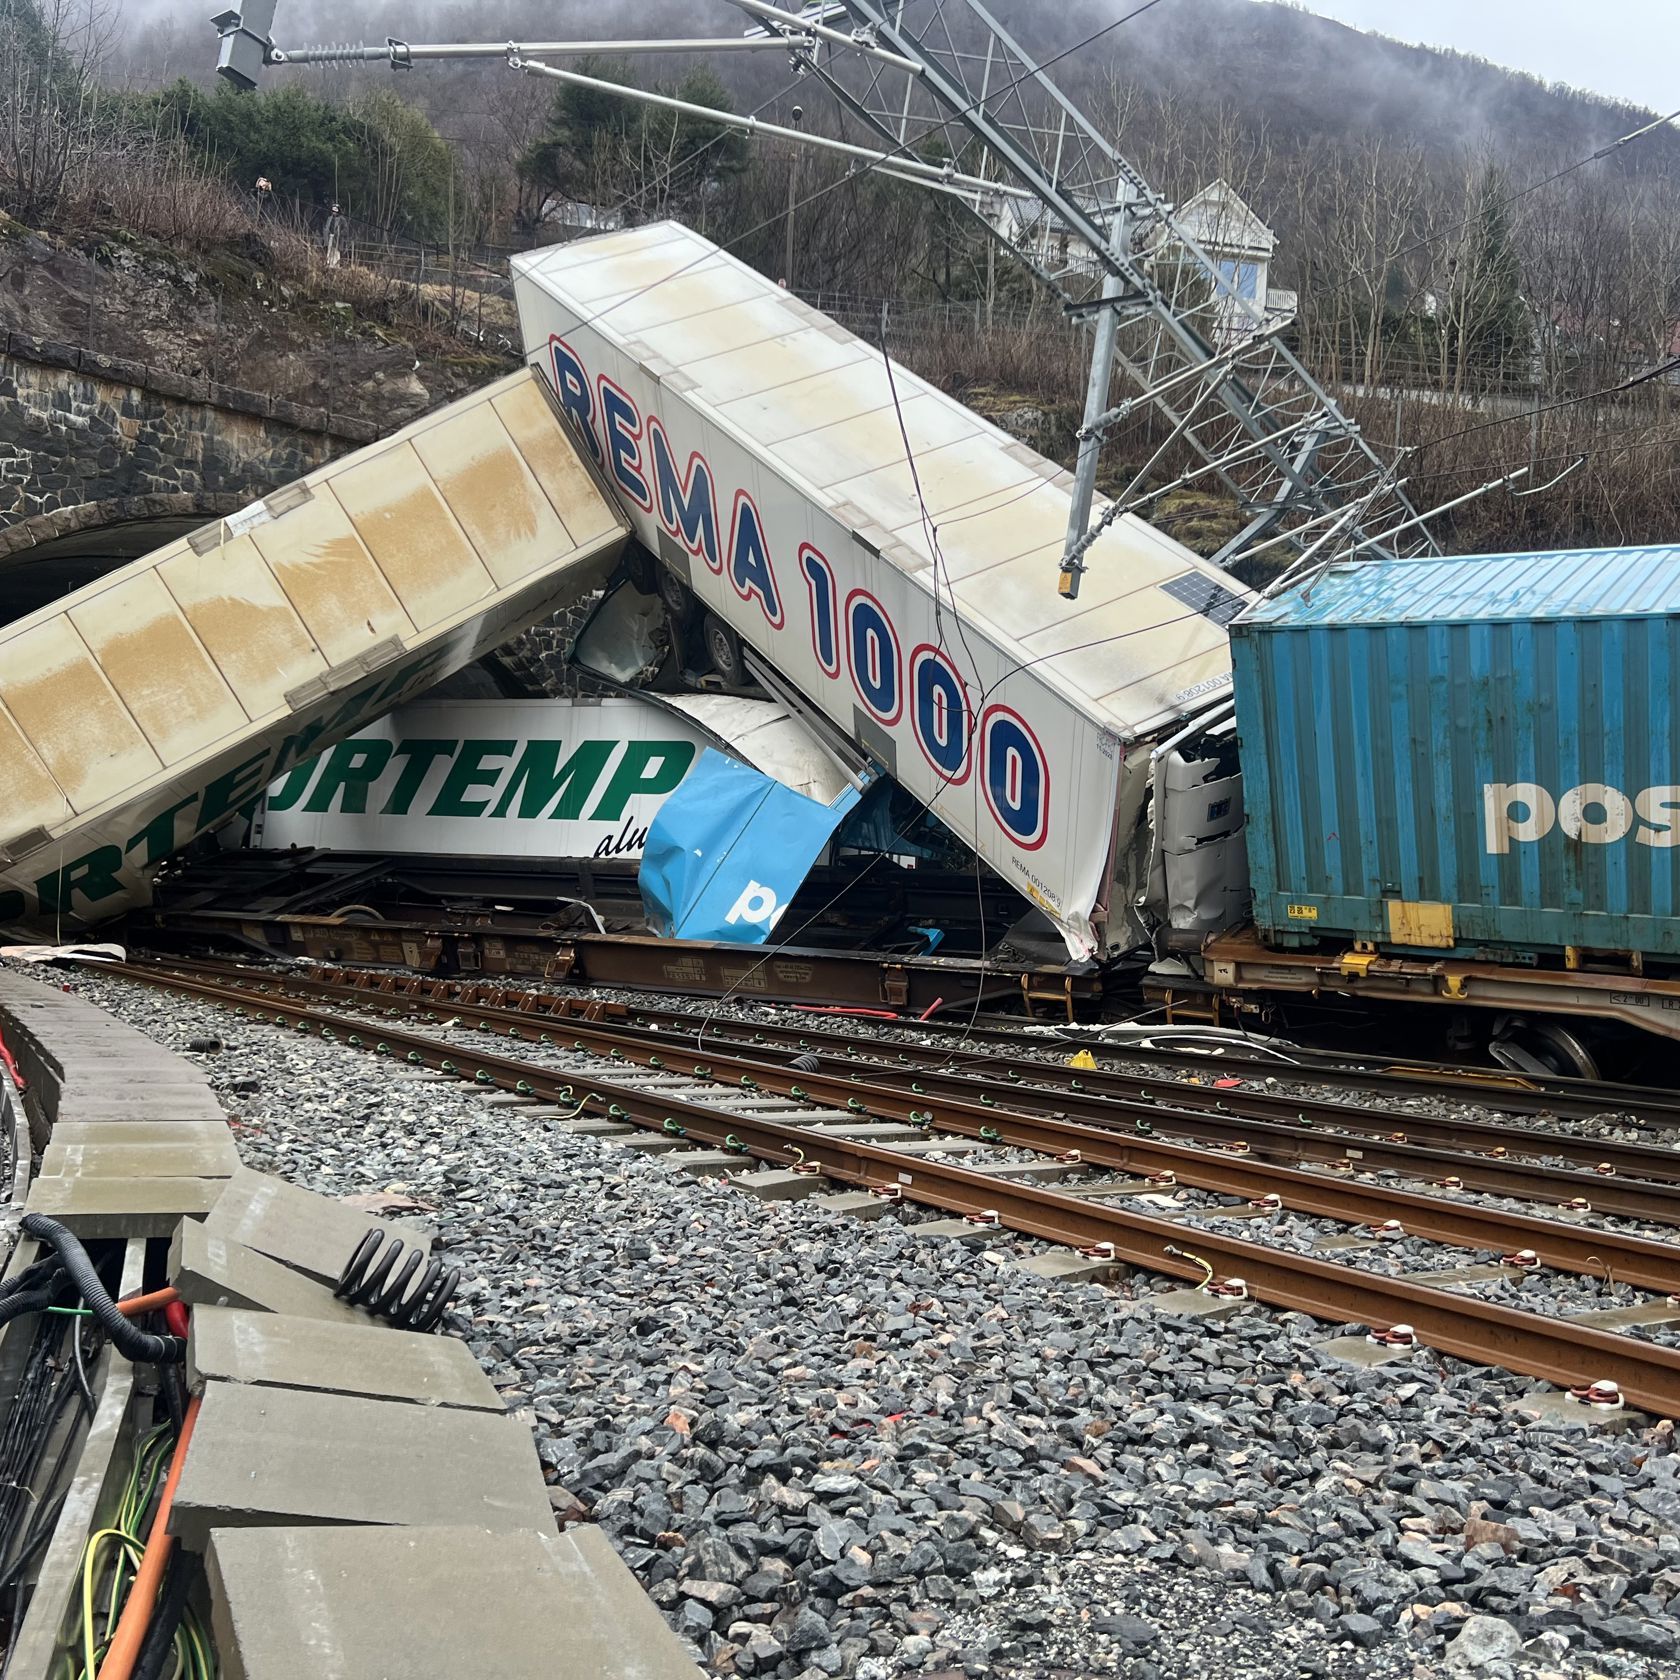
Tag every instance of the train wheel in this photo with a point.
(678, 597)
(1545, 1047)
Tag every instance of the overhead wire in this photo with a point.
(942, 575)
(1511, 198)
(905, 147)
(851, 176)
(1659, 372)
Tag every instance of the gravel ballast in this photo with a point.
(832, 1448)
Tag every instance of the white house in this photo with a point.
(1240, 246)
(1218, 219)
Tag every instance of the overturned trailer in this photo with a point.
(146, 708)
(892, 557)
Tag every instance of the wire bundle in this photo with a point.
(48, 1385)
(110, 1564)
(147, 1628)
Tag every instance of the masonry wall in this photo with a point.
(84, 431)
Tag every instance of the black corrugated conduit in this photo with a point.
(139, 1346)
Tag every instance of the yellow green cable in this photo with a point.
(194, 1659)
(136, 1500)
(90, 1556)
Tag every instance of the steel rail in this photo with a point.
(924, 1094)
(1562, 1097)
(1172, 1106)
(483, 941)
(1493, 1091)
(1511, 1093)
(1551, 1349)
(786, 976)
(1637, 1260)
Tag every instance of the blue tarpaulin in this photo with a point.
(729, 849)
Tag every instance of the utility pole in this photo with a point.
(792, 199)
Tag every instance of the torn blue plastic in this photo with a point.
(729, 849)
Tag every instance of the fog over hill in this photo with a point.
(1437, 294)
(1305, 78)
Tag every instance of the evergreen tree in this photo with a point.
(598, 148)
(1488, 317)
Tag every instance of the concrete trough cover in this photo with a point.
(123, 1207)
(135, 1132)
(313, 1234)
(136, 1105)
(432, 1604)
(270, 1350)
(144, 1160)
(212, 1271)
(276, 1457)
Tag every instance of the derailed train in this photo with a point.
(1450, 782)
(1463, 779)
(1440, 782)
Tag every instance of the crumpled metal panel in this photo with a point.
(915, 607)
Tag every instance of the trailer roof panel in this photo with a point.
(1485, 588)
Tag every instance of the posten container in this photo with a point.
(1477, 754)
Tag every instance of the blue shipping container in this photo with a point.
(1479, 754)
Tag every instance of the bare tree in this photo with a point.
(50, 120)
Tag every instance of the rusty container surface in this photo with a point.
(1477, 755)
(144, 709)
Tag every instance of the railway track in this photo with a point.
(829, 1124)
(934, 998)
(1276, 1124)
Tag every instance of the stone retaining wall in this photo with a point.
(89, 439)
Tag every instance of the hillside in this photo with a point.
(1471, 325)
(1304, 79)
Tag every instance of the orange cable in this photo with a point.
(124, 1650)
(134, 1305)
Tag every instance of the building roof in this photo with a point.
(1484, 588)
(1220, 219)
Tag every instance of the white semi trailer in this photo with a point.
(148, 707)
(894, 558)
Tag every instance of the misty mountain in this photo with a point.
(1303, 79)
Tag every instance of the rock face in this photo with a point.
(135, 384)
(87, 439)
(237, 316)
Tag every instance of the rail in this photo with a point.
(1556, 1350)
